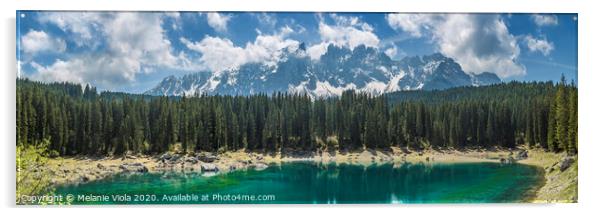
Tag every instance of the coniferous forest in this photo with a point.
(78, 120)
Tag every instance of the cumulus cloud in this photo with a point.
(103, 70)
(410, 23)
(538, 45)
(391, 52)
(139, 37)
(60, 71)
(217, 21)
(348, 31)
(545, 20)
(220, 54)
(39, 41)
(135, 42)
(347, 36)
(479, 43)
(81, 25)
(317, 50)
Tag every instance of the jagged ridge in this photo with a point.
(339, 69)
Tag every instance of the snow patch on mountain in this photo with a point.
(339, 69)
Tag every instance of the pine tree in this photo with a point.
(572, 121)
(562, 117)
(552, 138)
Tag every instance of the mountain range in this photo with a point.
(363, 69)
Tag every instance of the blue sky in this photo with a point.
(133, 51)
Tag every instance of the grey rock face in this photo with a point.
(363, 69)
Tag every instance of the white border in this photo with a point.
(589, 101)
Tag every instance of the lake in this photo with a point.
(308, 183)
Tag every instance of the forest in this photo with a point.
(78, 120)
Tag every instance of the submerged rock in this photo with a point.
(508, 160)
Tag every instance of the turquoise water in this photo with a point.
(305, 182)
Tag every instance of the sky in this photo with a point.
(134, 51)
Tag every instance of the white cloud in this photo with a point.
(317, 50)
(19, 66)
(80, 25)
(217, 54)
(217, 21)
(139, 37)
(60, 71)
(176, 19)
(220, 54)
(347, 32)
(410, 23)
(266, 19)
(538, 45)
(347, 36)
(479, 43)
(38, 41)
(545, 20)
(103, 70)
(135, 43)
(391, 52)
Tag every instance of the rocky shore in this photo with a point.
(559, 184)
(84, 169)
(75, 170)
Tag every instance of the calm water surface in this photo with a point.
(306, 182)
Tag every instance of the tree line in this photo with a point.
(79, 120)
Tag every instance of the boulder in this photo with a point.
(166, 156)
(503, 160)
(522, 155)
(566, 163)
(133, 168)
(191, 160)
(207, 157)
(243, 162)
(260, 166)
(175, 158)
(209, 167)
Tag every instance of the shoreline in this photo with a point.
(81, 169)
